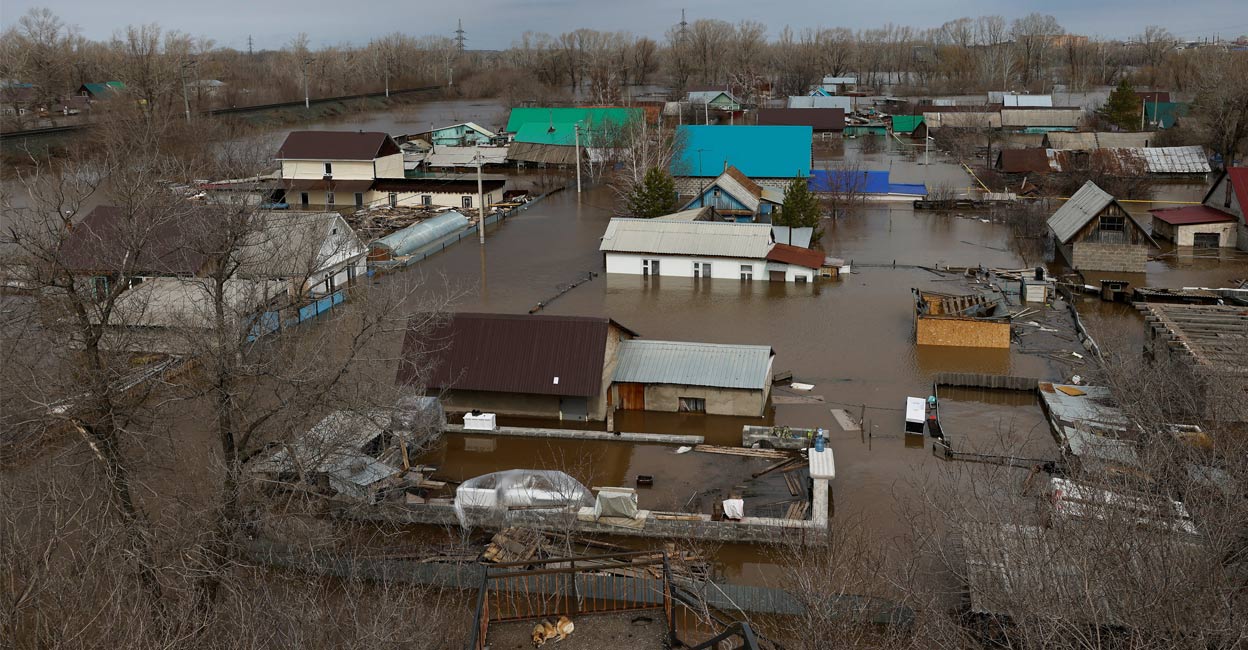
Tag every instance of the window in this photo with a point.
(329, 198)
(394, 199)
(649, 267)
(1206, 240)
(701, 269)
(1113, 224)
(747, 271)
(303, 199)
(426, 200)
(467, 201)
(359, 199)
(692, 405)
(329, 169)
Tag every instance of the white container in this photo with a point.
(482, 422)
(822, 464)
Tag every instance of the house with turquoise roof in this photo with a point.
(770, 155)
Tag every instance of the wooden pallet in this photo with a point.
(774, 454)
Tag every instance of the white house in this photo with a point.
(317, 253)
(703, 249)
(365, 169)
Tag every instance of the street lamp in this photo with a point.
(307, 101)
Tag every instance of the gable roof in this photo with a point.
(1086, 141)
(736, 185)
(694, 364)
(811, 259)
(706, 238)
(819, 119)
(1080, 209)
(471, 126)
(511, 353)
(1030, 160)
(1238, 178)
(102, 88)
(109, 240)
(843, 102)
(337, 145)
(562, 134)
(757, 151)
(799, 237)
(595, 117)
(709, 96)
(293, 244)
(865, 182)
(906, 123)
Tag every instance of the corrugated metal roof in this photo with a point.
(1191, 215)
(1038, 117)
(758, 151)
(1078, 211)
(709, 238)
(800, 237)
(795, 255)
(694, 364)
(692, 214)
(111, 240)
(906, 123)
(1175, 160)
(1014, 101)
(709, 97)
(465, 156)
(865, 182)
(594, 117)
(842, 102)
(509, 353)
(336, 145)
(735, 184)
(960, 119)
(819, 119)
(1096, 140)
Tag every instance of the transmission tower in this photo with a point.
(684, 26)
(459, 36)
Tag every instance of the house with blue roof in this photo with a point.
(872, 185)
(759, 152)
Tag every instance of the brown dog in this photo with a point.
(543, 632)
(563, 628)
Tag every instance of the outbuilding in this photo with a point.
(1093, 232)
(684, 377)
(1198, 226)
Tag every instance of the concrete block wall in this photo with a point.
(1125, 258)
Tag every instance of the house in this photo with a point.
(822, 101)
(870, 185)
(770, 155)
(1089, 141)
(210, 87)
(548, 136)
(1230, 195)
(308, 254)
(518, 365)
(684, 377)
(1163, 115)
(717, 100)
(911, 125)
(955, 117)
(177, 315)
(820, 120)
(1027, 161)
(1093, 232)
(980, 320)
(737, 198)
(362, 169)
(466, 134)
(834, 85)
(703, 249)
(101, 91)
(543, 145)
(1167, 161)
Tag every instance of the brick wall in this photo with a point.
(1126, 258)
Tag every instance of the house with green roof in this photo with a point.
(1164, 115)
(99, 91)
(548, 136)
(597, 118)
(911, 125)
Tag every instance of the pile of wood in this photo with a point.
(514, 545)
(775, 454)
(381, 221)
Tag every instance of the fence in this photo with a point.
(558, 587)
(271, 321)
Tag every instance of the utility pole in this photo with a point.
(480, 160)
(186, 98)
(577, 128)
(307, 96)
(251, 52)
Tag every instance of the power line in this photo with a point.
(459, 36)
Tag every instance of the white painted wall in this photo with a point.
(1186, 235)
(725, 268)
(344, 170)
(388, 166)
(316, 198)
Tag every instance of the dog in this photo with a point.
(545, 631)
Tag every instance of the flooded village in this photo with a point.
(849, 362)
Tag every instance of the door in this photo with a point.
(574, 408)
(775, 276)
(1206, 240)
(632, 396)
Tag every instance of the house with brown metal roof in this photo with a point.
(821, 120)
(363, 169)
(519, 365)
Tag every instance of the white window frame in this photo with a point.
(747, 272)
(329, 169)
(650, 266)
(701, 269)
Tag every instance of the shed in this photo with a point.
(910, 125)
(1027, 161)
(758, 151)
(1197, 225)
(679, 376)
(1095, 233)
(413, 238)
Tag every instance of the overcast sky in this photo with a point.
(494, 24)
